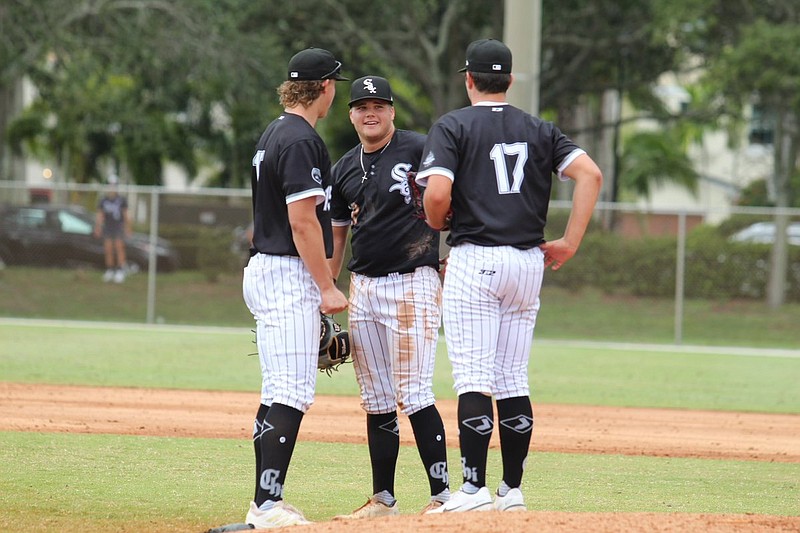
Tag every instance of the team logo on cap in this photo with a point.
(497, 67)
(293, 74)
(369, 86)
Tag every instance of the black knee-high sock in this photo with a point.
(429, 434)
(258, 425)
(475, 425)
(383, 438)
(278, 437)
(515, 416)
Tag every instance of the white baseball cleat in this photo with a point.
(512, 501)
(282, 514)
(372, 509)
(460, 502)
(109, 275)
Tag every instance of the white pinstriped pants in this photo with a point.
(284, 300)
(394, 328)
(490, 302)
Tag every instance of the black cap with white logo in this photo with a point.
(314, 64)
(488, 55)
(371, 87)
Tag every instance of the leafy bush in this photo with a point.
(652, 265)
(214, 255)
(204, 248)
(184, 239)
(714, 267)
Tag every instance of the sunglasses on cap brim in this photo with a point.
(334, 71)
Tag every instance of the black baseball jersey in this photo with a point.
(387, 234)
(501, 160)
(291, 163)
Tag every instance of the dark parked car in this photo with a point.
(61, 236)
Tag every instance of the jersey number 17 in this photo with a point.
(498, 153)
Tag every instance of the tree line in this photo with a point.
(138, 83)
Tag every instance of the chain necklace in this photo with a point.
(361, 159)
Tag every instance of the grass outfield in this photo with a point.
(217, 359)
(113, 483)
(69, 482)
(188, 298)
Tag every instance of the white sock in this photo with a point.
(267, 505)
(469, 488)
(443, 496)
(385, 498)
(503, 489)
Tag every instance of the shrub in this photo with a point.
(204, 248)
(714, 267)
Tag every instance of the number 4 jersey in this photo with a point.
(501, 161)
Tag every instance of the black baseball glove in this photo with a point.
(416, 199)
(416, 195)
(334, 345)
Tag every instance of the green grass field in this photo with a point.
(188, 298)
(57, 482)
(68, 482)
(220, 359)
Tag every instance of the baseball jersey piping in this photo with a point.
(422, 177)
(306, 194)
(567, 162)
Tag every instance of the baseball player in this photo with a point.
(395, 292)
(113, 224)
(492, 163)
(288, 281)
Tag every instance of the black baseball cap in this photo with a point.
(488, 55)
(314, 64)
(371, 87)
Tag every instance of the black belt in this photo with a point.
(408, 270)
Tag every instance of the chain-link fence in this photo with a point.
(183, 258)
(694, 276)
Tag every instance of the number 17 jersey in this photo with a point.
(501, 161)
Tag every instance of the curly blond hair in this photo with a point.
(293, 93)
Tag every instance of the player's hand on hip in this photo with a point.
(333, 301)
(557, 252)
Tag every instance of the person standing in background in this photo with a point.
(113, 224)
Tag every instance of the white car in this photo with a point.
(764, 233)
